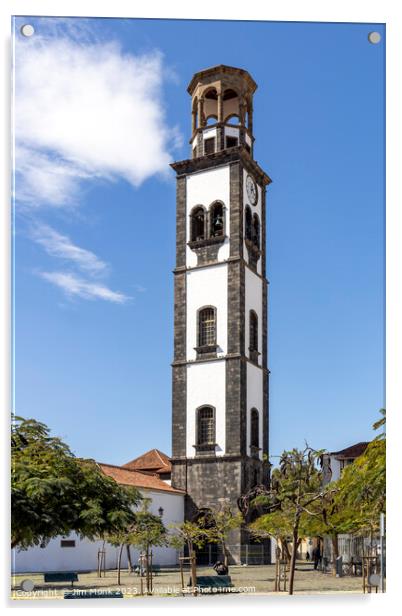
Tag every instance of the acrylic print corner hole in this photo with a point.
(27, 30)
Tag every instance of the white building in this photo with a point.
(333, 463)
(70, 553)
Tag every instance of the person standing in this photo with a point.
(316, 556)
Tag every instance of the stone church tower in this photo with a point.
(220, 375)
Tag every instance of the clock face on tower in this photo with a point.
(251, 188)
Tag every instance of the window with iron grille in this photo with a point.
(206, 327)
(67, 543)
(206, 426)
(254, 440)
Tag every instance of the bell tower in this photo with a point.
(220, 373)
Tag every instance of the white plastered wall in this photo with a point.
(335, 468)
(254, 290)
(204, 188)
(254, 400)
(206, 385)
(207, 286)
(231, 131)
(84, 555)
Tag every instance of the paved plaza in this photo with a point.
(251, 580)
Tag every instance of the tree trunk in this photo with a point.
(129, 562)
(335, 552)
(119, 564)
(225, 555)
(293, 558)
(147, 571)
(285, 550)
(194, 572)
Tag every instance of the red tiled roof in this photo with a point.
(153, 460)
(128, 477)
(354, 451)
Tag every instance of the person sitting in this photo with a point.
(220, 568)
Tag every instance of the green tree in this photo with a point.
(295, 486)
(362, 485)
(354, 502)
(219, 522)
(54, 493)
(191, 535)
(278, 525)
(326, 517)
(146, 531)
(380, 423)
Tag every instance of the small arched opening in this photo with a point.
(256, 231)
(253, 336)
(248, 224)
(233, 119)
(254, 432)
(216, 219)
(197, 224)
(211, 120)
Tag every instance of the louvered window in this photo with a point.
(206, 426)
(207, 327)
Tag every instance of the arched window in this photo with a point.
(206, 426)
(249, 224)
(197, 224)
(212, 119)
(216, 219)
(253, 336)
(211, 94)
(233, 119)
(254, 431)
(207, 327)
(229, 94)
(256, 230)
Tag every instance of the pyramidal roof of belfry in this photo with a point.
(221, 69)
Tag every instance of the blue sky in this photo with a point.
(101, 108)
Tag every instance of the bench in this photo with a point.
(93, 594)
(213, 583)
(61, 576)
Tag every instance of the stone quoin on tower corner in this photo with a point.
(220, 372)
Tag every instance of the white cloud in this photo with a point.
(86, 111)
(41, 178)
(73, 285)
(58, 245)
